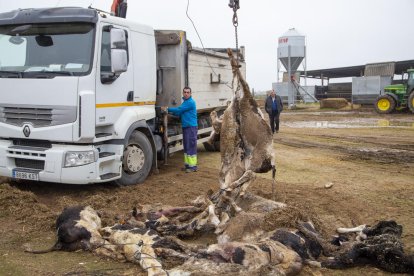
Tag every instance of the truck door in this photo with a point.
(113, 93)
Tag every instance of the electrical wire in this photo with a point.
(202, 45)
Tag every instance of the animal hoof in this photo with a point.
(238, 209)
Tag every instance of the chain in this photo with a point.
(234, 4)
(237, 44)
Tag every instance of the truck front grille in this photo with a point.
(29, 164)
(32, 143)
(38, 116)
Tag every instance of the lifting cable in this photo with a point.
(234, 4)
(201, 41)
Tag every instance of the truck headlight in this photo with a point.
(79, 158)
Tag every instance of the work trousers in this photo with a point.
(190, 147)
(274, 120)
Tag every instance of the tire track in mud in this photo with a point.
(355, 148)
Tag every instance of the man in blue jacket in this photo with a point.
(188, 114)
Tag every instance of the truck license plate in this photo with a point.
(26, 175)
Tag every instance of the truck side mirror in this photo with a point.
(119, 61)
(118, 56)
(118, 39)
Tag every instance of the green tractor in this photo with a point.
(397, 96)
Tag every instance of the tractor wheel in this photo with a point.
(385, 104)
(411, 101)
(137, 160)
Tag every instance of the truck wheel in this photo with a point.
(411, 101)
(385, 104)
(208, 146)
(217, 145)
(137, 160)
(212, 147)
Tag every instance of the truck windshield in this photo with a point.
(39, 50)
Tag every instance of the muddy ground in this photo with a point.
(368, 160)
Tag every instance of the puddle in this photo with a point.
(352, 123)
(317, 113)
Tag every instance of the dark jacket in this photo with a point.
(269, 101)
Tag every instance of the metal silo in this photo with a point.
(291, 51)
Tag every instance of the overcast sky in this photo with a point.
(338, 32)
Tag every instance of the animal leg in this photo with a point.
(212, 138)
(223, 223)
(216, 123)
(327, 248)
(167, 252)
(236, 71)
(243, 182)
(227, 198)
(183, 246)
(359, 230)
(343, 230)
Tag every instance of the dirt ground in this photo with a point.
(366, 158)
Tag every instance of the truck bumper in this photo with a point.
(47, 164)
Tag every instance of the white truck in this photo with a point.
(81, 91)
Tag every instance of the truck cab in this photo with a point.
(73, 90)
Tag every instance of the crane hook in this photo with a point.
(234, 4)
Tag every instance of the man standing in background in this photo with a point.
(187, 112)
(274, 107)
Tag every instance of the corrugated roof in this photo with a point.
(380, 69)
(353, 71)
